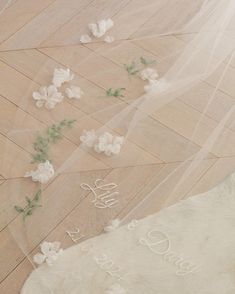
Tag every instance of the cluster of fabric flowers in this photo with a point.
(49, 96)
(115, 289)
(149, 74)
(113, 225)
(98, 30)
(50, 253)
(105, 143)
(43, 173)
(154, 85)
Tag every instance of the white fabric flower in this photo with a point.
(61, 76)
(88, 138)
(48, 97)
(109, 39)
(113, 225)
(109, 144)
(74, 92)
(84, 39)
(50, 252)
(43, 173)
(149, 74)
(156, 86)
(101, 27)
(115, 289)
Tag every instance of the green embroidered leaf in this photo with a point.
(146, 62)
(32, 204)
(115, 92)
(28, 200)
(131, 68)
(18, 209)
(38, 195)
(52, 134)
(135, 67)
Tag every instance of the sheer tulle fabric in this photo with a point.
(206, 37)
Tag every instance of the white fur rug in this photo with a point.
(188, 248)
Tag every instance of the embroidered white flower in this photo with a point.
(156, 86)
(101, 27)
(61, 76)
(84, 39)
(113, 225)
(109, 39)
(149, 74)
(48, 97)
(88, 138)
(115, 289)
(50, 253)
(109, 144)
(74, 92)
(43, 173)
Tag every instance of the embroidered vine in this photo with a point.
(52, 135)
(131, 68)
(135, 67)
(115, 92)
(146, 62)
(32, 204)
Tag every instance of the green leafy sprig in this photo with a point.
(115, 92)
(131, 68)
(52, 135)
(135, 67)
(146, 62)
(32, 204)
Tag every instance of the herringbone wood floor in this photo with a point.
(32, 43)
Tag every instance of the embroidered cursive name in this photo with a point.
(103, 194)
(159, 244)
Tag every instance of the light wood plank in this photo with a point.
(200, 98)
(13, 160)
(196, 127)
(49, 20)
(160, 24)
(18, 14)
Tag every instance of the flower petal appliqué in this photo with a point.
(43, 173)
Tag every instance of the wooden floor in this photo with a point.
(32, 43)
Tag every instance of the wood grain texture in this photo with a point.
(38, 36)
